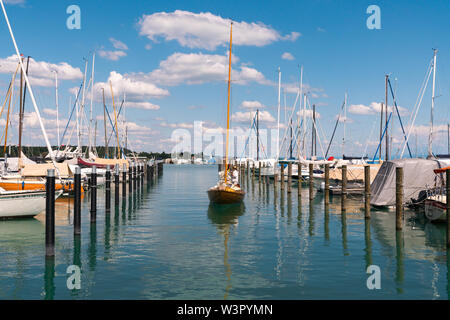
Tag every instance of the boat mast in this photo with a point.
(228, 104)
(257, 135)
(279, 105)
(430, 138)
(57, 106)
(115, 119)
(36, 109)
(386, 117)
(92, 98)
(345, 122)
(105, 124)
(299, 109)
(81, 108)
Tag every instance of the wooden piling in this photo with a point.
(116, 186)
(367, 192)
(299, 176)
(289, 188)
(77, 202)
(326, 190)
(124, 181)
(130, 178)
(50, 213)
(93, 190)
(399, 198)
(259, 173)
(344, 189)
(311, 181)
(108, 188)
(282, 177)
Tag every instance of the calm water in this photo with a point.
(167, 242)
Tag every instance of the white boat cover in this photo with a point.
(418, 175)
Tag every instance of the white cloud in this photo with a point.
(343, 119)
(308, 113)
(14, 2)
(50, 112)
(373, 108)
(198, 68)
(41, 73)
(287, 56)
(264, 116)
(183, 125)
(118, 44)
(206, 30)
(142, 105)
(252, 104)
(112, 55)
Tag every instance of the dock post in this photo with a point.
(282, 177)
(50, 213)
(108, 188)
(327, 185)
(289, 188)
(124, 181)
(259, 173)
(299, 175)
(447, 173)
(311, 182)
(142, 174)
(367, 191)
(130, 178)
(248, 168)
(253, 169)
(135, 176)
(77, 202)
(116, 185)
(398, 198)
(344, 189)
(94, 194)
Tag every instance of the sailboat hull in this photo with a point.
(21, 204)
(225, 197)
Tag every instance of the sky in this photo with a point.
(170, 60)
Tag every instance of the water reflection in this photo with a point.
(225, 217)
(49, 278)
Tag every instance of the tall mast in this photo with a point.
(92, 98)
(257, 135)
(36, 109)
(381, 128)
(345, 122)
(299, 108)
(430, 139)
(104, 124)
(386, 117)
(20, 120)
(57, 106)
(115, 119)
(81, 108)
(228, 104)
(313, 133)
(279, 105)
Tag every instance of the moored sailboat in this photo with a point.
(227, 190)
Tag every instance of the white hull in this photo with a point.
(435, 208)
(16, 204)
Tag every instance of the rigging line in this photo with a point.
(399, 118)
(118, 114)
(290, 119)
(382, 136)
(71, 114)
(417, 109)
(334, 131)
(314, 123)
(253, 123)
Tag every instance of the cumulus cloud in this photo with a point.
(308, 113)
(112, 55)
(42, 73)
(252, 104)
(198, 68)
(287, 56)
(373, 108)
(264, 116)
(207, 31)
(118, 44)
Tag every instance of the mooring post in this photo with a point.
(50, 213)
(135, 176)
(327, 185)
(289, 188)
(108, 188)
(399, 198)
(311, 181)
(248, 167)
(259, 173)
(367, 192)
(299, 176)
(77, 202)
(116, 185)
(94, 194)
(447, 184)
(282, 177)
(253, 169)
(344, 189)
(130, 178)
(124, 181)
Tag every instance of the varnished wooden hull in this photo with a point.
(225, 197)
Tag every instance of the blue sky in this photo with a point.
(329, 38)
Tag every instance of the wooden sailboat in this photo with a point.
(225, 192)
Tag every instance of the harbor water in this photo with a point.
(166, 241)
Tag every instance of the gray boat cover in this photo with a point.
(418, 175)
